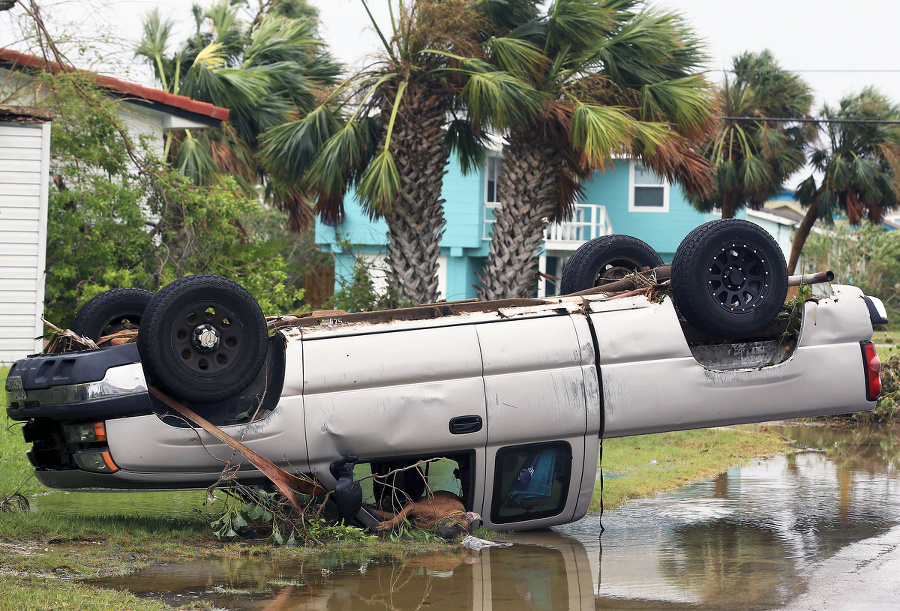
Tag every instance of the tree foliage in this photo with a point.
(617, 79)
(267, 68)
(118, 216)
(753, 158)
(856, 168)
(866, 256)
(387, 131)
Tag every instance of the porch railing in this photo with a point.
(588, 221)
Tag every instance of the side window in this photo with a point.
(531, 481)
(492, 177)
(491, 195)
(649, 192)
(400, 480)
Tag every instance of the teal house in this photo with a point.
(626, 199)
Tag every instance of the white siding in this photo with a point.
(24, 183)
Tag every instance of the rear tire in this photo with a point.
(606, 259)
(203, 339)
(729, 278)
(106, 313)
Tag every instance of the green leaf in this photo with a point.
(600, 132)
(380, 183)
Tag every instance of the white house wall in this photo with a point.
(24, 183)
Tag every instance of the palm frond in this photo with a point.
(519, 57)
(469, 145)
(292, 147)
(340, 153)
(380, 184)
(600, 132)
(194, 161)
(500, 100)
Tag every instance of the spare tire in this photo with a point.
(203, 339)
(606, 259)
(729, 278)
(106, 313)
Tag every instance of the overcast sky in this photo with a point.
(838, 47)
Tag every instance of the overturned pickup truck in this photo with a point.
(501, 403)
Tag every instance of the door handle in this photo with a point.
(465, 424)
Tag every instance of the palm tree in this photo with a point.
(266, 72)
(859, 165)
(618, 82)
(753, 158)
(388, 132)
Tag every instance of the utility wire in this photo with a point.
(784, 120)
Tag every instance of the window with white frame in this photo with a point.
(491, 179)
(649, 192)
(492, 170)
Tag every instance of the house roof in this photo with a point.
(147, 96)
(24, 114)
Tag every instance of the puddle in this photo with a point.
(747, 539)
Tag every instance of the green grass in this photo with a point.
(15, 470)
(48, 594)
(682, 458)
(884, 337)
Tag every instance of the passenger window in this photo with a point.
(531, 481)
(414, 478)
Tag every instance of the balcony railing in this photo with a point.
(589, 221)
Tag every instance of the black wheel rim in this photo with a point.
(207, 338)
(738, 278)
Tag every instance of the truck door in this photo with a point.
(395, 395)
(538, 373)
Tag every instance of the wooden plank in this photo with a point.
(14, 264)
(19, 129)
(22, 238)
(17, 308)
(18, 144)
(21, 344)
(23, 213)
(13, 166)
(24, 296)
(9, 226)
(27, 190)
(29, 202)
(29, 154)
(18, 333)
(17, 320)
(18, 249)
(18, 285)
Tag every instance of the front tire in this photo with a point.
(606, 259)
(203, 338)
(729, 278)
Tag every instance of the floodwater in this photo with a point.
(748, 539)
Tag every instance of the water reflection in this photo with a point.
(747, 539)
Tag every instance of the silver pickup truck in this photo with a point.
(502, 403)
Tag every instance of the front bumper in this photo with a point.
(79, 386)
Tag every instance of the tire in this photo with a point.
(606, 259)
(105, 313)
(203, 339)
(729, 278)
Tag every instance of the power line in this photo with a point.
(825, 70)
(784, 120)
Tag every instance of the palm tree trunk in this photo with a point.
(528, 192)
(416, 218)
(727, 206)
(803, 231)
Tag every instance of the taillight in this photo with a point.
(873, 370)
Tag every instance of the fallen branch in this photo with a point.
(285, 481)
